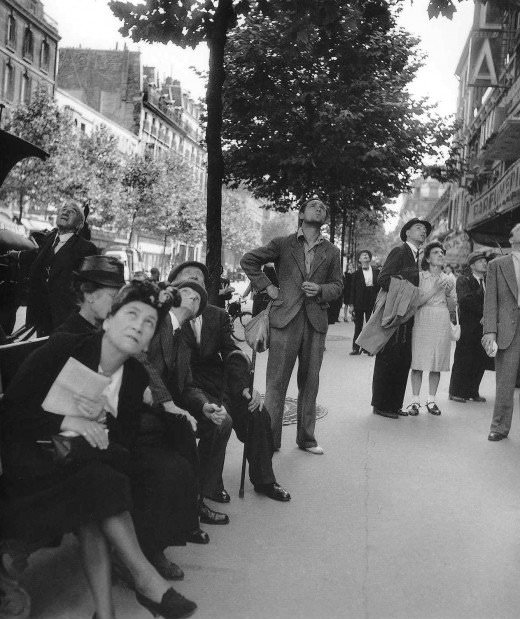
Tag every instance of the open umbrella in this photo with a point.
(13, 149)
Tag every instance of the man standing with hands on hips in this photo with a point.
(502, 332)
(309, 272)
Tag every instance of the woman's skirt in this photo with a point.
(431, 339)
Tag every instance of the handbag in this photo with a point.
(67, 451)
(455, 328)
(257, 330)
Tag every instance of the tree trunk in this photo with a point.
(217, 43)
(132, 225)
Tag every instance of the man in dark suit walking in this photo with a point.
(393, 362)
(363, 293)
(51, 299)
(502, 332)
(470, 359)
(309, 272)
(210, 342)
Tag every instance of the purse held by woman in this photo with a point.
(455, 328)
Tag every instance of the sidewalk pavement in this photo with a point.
(415, 518)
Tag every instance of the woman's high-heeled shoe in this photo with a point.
(173, 605)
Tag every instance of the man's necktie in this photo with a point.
(56, 243)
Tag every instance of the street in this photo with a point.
(412, 518)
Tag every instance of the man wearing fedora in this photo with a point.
(392, 363)
(309, 273)
(470, 359)
(502, 332)
(363, 293)
(209, 339)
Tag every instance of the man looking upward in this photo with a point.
(309, 273)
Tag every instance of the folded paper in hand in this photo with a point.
(74, 379)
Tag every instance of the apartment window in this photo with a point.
(8, 86)
(25, 92)
(45, 53)
(11, 32)
(28, 44)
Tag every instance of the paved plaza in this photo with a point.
(413, 518)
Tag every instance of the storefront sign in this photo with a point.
(503, 196)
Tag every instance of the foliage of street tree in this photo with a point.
(329, 113)
(188, 23)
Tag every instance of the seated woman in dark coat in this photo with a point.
(91, 498)
(164, 459)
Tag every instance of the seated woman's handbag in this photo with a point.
(257, 330)
(455, 328)
(76, 450)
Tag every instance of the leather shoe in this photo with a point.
(355, 352)
(316, 450)
(402, 413)
(273, 491)
(210, 516)
(432, 408)
(477, 398)
(495, 436)
(198, 536)
(167, 569)
(220, 496)
(457, 398)
(389, 414)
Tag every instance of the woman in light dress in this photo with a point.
(431, 335)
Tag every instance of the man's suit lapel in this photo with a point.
(320, 256)
(167, 342)
(63, 257)
(508, 270)
(297, 254)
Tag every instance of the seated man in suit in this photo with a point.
(209, 338)
(51, 298)
(171, 380)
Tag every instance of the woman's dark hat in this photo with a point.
(174, 273)
(103, 270)
(411, 223)
(191, 283)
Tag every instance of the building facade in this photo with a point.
(484, 203)
(28, 51)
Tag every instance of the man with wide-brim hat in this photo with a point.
(392, 363)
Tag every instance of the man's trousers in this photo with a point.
(506, 366)
(298, 340)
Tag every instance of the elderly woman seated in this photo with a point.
(92, 495)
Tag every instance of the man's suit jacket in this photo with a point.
(501, 313)
(51, 292)
(358, 289)
(170, 356)
(288, 255)
(399, 263)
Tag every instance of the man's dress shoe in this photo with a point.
(495, 436)
(273, 491)
(316, 450)
(210, 516)
(477, 398)
(198, 536)
(167, 569)
(457, 398)
(355, 352)
(220, 496)
(389, 414)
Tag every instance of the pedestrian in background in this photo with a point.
(363, 293)
(393, 361)
(502, 332)
(347, 286)
(449, 271)
(309, 272)
(431, 335)
(470, 359)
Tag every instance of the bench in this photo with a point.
(15, 603)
